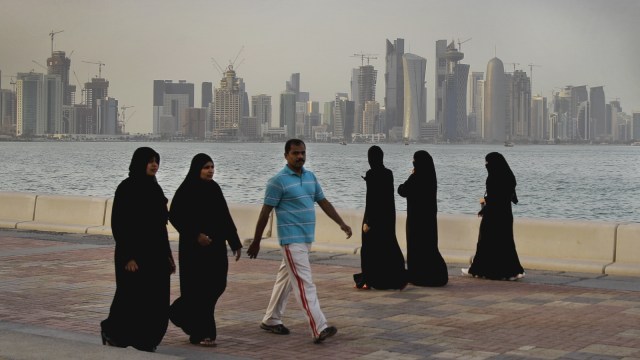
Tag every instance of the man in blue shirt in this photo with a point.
(293, 192)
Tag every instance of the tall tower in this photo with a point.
(495, 105)
(261, 109)
(366, 91)
(169, 101)
(394, 85)
(227, 105)
(288, 113)
(59, 64)
(440, 67)
(477, 81)
(520, 111)
(455, 95)
(415, 108)
(597, 102)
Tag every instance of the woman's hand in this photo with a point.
(132, 266)
(237, 253)
(204, 240)
(365, 228)
(172, 265)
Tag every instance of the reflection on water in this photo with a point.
(573, 182)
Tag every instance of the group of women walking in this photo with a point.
(141, 310)
(382, 261)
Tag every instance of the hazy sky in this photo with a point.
(574, 42)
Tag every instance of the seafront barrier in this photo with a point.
(611, 248)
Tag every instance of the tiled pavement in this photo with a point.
(56, 288)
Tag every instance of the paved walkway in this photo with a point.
(56, 288)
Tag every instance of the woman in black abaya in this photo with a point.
(496, 257)
(139, 312)
(425, 265)
(200, 213)
(381, 259)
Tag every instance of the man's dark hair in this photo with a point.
(290, 142)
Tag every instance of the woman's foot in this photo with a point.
(465, 271)
(106, 340)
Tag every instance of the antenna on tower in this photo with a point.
(363, 56)
(52, 34)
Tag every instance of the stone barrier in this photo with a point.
(558, 245)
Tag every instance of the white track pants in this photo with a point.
(295, 274)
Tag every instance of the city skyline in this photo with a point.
(569, 42)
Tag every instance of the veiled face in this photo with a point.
(152, 167)
(207, 171)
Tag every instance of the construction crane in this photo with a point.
(462, 42)
(42, 66)
(124, 120)
(52, 34)
(514, 66)
(363, 56)
(100, 65)
(81, 88)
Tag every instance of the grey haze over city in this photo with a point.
(571, 42)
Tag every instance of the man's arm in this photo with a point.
(331, 212)
(263, 219)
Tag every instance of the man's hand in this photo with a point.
(347, 229)
(254, 249)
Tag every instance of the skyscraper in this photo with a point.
(370, 117)
(495, 101)
(476, 103)
(363, 89)
(580, 126)
(228, 103)
(169, 101)
(415, 107)
(539, 118)
(455, 95)
(394, 85)
(288, 113)
(520, 109)
(440, 67)
(261, 110)
(598, 108)
(38, 104)
(59, 64)
(206, 94)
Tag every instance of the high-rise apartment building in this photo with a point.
(107, 116)
(539, 118)
(476, 103)
(415, 107)
(59, 64)
(394, 85)
(193, 123)
(370, 117)
(597, 102)
(288, 113)
(38, 104)
(635, 126)
(519, 110)
(495, 101)
(169, 101)
(363, 89)
(228, 106)
(261, 110)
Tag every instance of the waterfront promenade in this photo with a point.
(55, 288)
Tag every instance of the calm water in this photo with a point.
(571, 182)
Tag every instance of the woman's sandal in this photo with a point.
(208, 342)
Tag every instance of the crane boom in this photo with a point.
(52, 34)
(100, 65)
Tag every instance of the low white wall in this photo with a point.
(559, 245)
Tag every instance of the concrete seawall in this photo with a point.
(561, 245)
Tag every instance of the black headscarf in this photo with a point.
(141, 157)
(500, 174)
(197, 163)
(376, 157)
(424, 167)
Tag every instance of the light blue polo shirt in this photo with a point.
(293, 196)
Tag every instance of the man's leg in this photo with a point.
(279, 297)
(297, 261)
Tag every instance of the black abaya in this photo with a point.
(200, 207)
(139, 312)
(381, 259)
(496, 257)
(425, 264)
